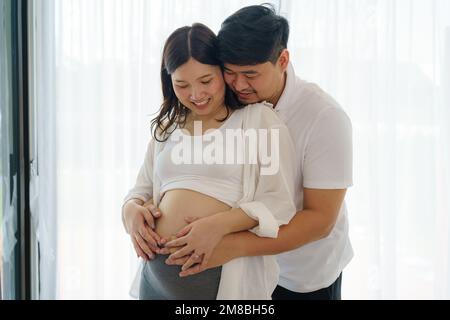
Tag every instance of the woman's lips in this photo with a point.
(202, 104)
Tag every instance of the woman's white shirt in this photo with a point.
(266, 196)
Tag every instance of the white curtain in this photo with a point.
(98, 87)
(387, 62)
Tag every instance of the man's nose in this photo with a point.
(240, 84)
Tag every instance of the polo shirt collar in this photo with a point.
(284, 104)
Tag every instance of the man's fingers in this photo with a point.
(177, 242)
(183, 231)
(205, 260)
(143, 245)
(181, 253)
(193, 259)
(191, 271)
(164, 251)
(174, 249)
(178, 262)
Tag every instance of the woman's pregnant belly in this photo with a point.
(178, 204)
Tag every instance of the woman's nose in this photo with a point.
(197, 95)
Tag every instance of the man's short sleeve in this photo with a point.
(328, 158)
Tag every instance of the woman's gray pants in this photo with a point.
(160, 281)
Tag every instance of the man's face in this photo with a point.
(256, 83)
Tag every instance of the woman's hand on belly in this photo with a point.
(138, 222)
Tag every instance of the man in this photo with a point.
(314, 247)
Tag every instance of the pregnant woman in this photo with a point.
(209, 158)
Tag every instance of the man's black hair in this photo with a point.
(253, 35)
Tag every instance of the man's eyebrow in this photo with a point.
(249, 72)
(206, 75)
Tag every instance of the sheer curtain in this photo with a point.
(97, 87)
(387, 62)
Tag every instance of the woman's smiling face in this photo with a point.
(199, 87)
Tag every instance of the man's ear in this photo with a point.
(283, 60)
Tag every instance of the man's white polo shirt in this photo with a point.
(322, 133)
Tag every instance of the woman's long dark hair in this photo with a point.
(197, 42)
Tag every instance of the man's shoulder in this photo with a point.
(263, 113)
(303, 94)
(259, 108)
(311, 101)
(312, 95)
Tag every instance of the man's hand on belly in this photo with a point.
(223, 253)
(198, 238)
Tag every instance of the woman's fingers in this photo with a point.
(154, 211)
(148, 218)
(138, 249)
(148, 236)
(154, 235)
(148, 233)
(143, 245)
(157, 238)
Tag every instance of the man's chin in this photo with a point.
(246, 96)
(249, 100)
